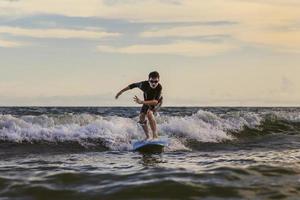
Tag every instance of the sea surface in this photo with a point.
(86, 153)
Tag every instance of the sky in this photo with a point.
(208, 53)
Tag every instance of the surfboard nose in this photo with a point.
(149, 146)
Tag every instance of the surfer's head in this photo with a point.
(153, 79)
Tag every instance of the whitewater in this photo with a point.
(86, 153)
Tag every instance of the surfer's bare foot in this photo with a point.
(147, 138)
(155, 136)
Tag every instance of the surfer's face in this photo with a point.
(153, 82)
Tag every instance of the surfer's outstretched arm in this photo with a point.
(121, 92)
(129, 87)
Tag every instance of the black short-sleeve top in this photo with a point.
(149, 93)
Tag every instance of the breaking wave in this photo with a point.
(116, 132)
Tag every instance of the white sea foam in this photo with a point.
(208, 127)
(116, 133)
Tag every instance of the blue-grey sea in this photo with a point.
(86, 153)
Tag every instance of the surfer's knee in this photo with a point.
(149, 113)
(150, 116)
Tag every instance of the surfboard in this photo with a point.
(151, 146)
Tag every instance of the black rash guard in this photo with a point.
(149, 93)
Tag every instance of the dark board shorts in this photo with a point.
(145, 108)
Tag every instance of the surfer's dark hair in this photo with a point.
(154, 74)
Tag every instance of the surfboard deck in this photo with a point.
(150, 146)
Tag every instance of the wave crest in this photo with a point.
(116, 133)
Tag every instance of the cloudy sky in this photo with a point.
(209, 53)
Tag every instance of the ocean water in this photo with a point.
(86, 153)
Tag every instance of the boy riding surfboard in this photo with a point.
(152, 101)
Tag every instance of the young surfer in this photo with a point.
(152, 101)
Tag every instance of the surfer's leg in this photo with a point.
(143, 123)
(152, 123)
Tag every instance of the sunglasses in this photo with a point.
(153, 81)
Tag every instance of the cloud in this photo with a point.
(254, 17)
(56, 33)
(257, 19)
(183, 48)
(10, 44)
(279, 40)
(188, 31)
(158, 10)
(275, 37)
(115, 2)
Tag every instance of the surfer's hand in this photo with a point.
(137, 100)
